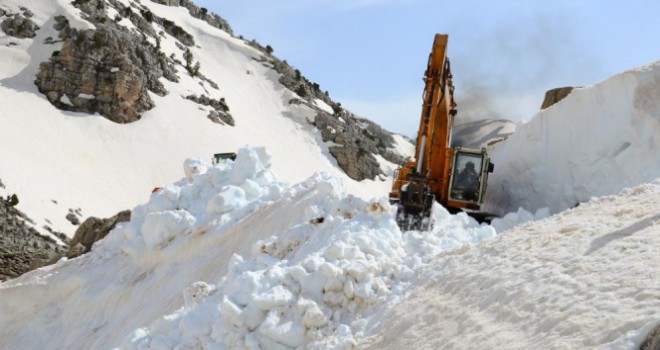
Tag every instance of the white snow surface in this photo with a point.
(596, 141)
(582, 279)
(234, 256)
(231, 257)
(88, 162)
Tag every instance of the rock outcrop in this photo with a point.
(354, 143)
(220, 113)
(354, 140)
(652, 341)
(555, 95)
(21, 245)
(199, 13)
(107, 71)
(93, 230)
(18, 26)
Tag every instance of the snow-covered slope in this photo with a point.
(58, 160)
(586, 278)
(596, 141)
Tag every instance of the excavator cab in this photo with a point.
(469, 177)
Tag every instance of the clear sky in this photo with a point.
(371, 54)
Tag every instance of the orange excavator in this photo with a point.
(455, 177)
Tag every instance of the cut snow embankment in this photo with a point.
(231, 256)
(583, 279)
(596, 141)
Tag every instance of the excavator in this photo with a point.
(456, 177)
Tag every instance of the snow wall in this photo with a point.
(596, 141)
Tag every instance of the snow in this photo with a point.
(323, 106)
(586, 278)
(305, 264)
(403, 146)
(103, 167)
(595, 142)
(279, 249)
(65, 99)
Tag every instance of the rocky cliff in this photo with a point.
(353, 141)
(21, 246)
(107, 71)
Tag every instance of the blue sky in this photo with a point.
(371, 54)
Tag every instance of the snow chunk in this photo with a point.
(231, 198)
(65, 99)
(518, 218)
(193, 167)
(159, 228)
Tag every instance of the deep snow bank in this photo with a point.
(234, 258)
(586, 278)
(595, 142)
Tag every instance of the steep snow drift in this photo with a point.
(233, 257)
(57, 160)
(586, 278)
(596, 141)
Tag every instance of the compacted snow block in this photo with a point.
(161, 227)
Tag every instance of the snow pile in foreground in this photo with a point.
(234, 258)
(321, 283)
(595, 142)
(586, 278)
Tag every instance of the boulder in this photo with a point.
(94, 229)
(107, 71)
(22, 247)
(555, 95)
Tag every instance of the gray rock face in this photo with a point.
(19, 26)
(220, 114)
(108, 70)
(652, 341)
(357, 140)
(92, 230)
(199, 13)
(20, 245)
